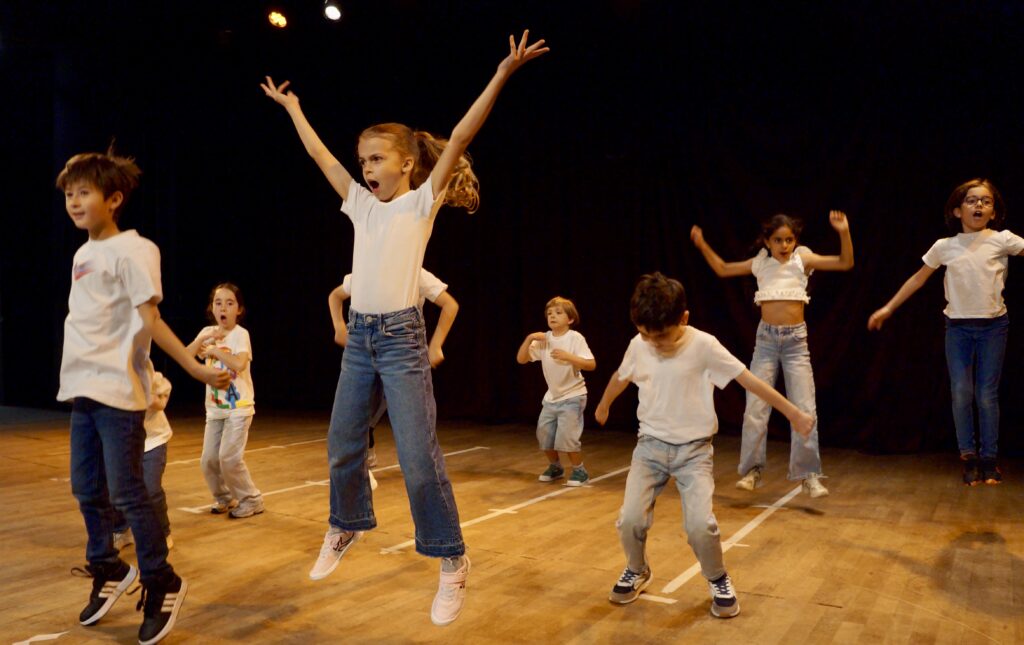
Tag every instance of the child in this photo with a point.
(229, 411)
(674, 366)
(154, 460)
(781, 268)
(409, 175)
(976, 318)
(563, 352)
(112, 317)
(430, 288)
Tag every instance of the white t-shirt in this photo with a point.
(430, 287)
(564, 380)
(390, 239)
(239, 399)
(106, 347)
(677, 402)
(975, 271)
(777, 281)
(158, 428)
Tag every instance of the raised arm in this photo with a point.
(196, 346)
(616, 386)
(336, 303)
(481, 108)
(721, 268)
(841, 262)
(237, 362)
(523, 355)
(802, 422)
(164, 337)
(449, 309)
(914, 283)
(336, 174)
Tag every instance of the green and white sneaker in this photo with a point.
(579, 477)
(554, 471)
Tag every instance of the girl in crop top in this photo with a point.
(976, 322)
(781, 268)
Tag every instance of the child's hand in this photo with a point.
(838, 221)
(278, 93)
(518, 54)
(879, 317)
(561, 355)
(803, 423)
(601, 414)
(435, 356)
(539, 336)
(213, 377)
(697, 236)
(341, 335)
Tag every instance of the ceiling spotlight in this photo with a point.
(277, 19)
(332, 11)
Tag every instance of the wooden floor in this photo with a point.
(899, 553)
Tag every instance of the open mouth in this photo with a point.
(374, 185)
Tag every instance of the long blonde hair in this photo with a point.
(425, 149)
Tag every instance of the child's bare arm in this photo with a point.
(523, 356)
(164, 337)
(449, 309)
(721, 268)
(841, 262)
(615, 387)
(579, 363)
(336, 303)
(237, 362)
(336, 174)
(481, 108)
(802, 422)
(908, 289)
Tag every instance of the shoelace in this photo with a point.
(628, 577)
(147, 601)
(723, 587)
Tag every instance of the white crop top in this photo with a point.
(776, 281)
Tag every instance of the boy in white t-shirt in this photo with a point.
(112, 317)
(563, 353)
(676, 368)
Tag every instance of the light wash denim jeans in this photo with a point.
(392, 346)
(560, 424)
(223, 460)
(975, 349)
(785, 345)
(654, 461)
(153, 464)
(106, 467)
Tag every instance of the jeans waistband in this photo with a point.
(383, 321)
(781, 330)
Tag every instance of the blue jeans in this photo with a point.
(785, 345)
(153, 464)
(106, 467)
(691, 464)
(393, 347)
(975, 349)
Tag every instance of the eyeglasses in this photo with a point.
(986, 202)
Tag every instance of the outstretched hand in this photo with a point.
(697, 236)
(838, 221)
(278, 92)
(879, 317)
(520, 53)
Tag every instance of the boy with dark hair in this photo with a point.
(112, 316)
(675, 367)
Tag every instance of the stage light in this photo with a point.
(277, 19)
(332, 10)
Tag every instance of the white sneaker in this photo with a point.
(123, 539)
(371, 458)
(451, 594)
(373, 481)
(334, 546)
(812, 486)
(751, 480)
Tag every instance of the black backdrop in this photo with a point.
(646, 117)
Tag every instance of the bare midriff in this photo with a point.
(782, 312)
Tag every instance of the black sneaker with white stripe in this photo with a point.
(629, 586)
(160, 604)
(109, 581)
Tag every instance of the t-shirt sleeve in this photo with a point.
(722, 366)
(758, 262)
(427, 204)
(431, 286)
(1013, 244)
(357, 205)
(161, 386)
(580, 347)
(346, 284)
(627, 368)
(139, 271)
(933, 258)
(240, 343)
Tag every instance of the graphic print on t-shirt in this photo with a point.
(228, 399)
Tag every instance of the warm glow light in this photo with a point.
(277, 19)
(331, 10)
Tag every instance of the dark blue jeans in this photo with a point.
(975, 349)
(106, 468)
(153, 464)
(393, 347)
